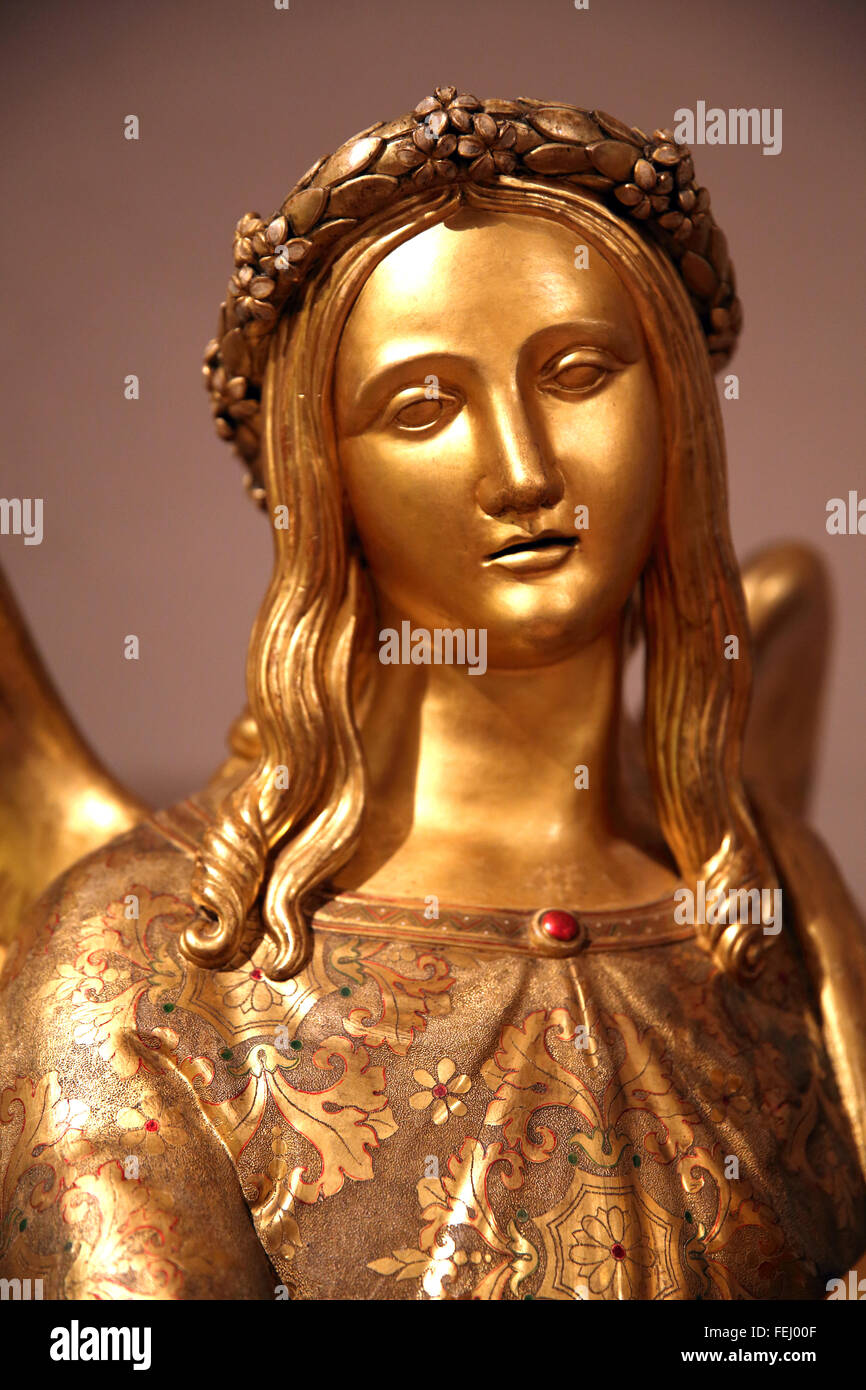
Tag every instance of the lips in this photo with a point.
(544, 551)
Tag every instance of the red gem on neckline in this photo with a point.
(558, 924)
(440, 1091)
(618, 1251)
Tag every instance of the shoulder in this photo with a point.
(157, 854)
(102, 1141)
(88, 934)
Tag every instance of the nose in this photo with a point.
(517, 477)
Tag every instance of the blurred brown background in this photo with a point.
(116, 253)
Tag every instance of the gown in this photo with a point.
(429, 1109)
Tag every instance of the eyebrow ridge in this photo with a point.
(380, 379)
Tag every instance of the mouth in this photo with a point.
(545, 551)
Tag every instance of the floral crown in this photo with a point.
(452, 136)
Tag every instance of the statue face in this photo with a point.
(485, 388)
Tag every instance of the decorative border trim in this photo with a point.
(651, 924)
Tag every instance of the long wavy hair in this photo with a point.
(295, 818)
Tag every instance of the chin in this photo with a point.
(540, 642)
(542, 630)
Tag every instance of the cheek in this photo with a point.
(610, 453)
(408, 495)
(393, 501)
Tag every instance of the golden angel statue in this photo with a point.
(456, 981)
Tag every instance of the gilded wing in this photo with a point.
(56, 801)
(790, 617)
(788, 599)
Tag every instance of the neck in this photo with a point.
(472, 791)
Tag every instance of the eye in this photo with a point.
(579, 376)
(414, 410)
(417, 414)
(576, 374)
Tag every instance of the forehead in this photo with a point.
(472, 282)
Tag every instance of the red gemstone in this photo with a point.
(256, 974)
(151, 1125)
(558, 924)
(618, 1251)
(440, 1091)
